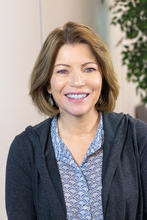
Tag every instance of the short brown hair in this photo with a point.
(72, 33)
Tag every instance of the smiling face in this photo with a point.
(76, 81)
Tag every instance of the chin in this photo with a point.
(78, 113)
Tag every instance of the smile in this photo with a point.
(77, 96)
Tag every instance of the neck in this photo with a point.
(78, 125)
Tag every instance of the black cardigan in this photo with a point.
(33, 184)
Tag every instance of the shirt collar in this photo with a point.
(62, 153)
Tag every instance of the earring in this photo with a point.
(50, 99)
(100, 100)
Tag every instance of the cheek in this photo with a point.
(96, 83)
(56, 85)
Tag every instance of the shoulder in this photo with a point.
(115, 123)
(23, 144)
(42, 126)
(39, 129)
(116, 118)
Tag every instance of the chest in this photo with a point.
(78, 146)
(82, 187)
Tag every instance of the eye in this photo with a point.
(90, 69)
(62, 71)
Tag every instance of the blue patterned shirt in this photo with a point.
(82, 186)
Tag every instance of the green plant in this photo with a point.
(131, 15)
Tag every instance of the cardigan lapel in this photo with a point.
(54, 173)
(113, 125)
(47, 167)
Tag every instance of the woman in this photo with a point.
(84, 162)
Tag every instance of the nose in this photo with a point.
(77, 79)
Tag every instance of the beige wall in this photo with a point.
(19, 44)
(58, 12)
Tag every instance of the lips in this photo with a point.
(76, 96)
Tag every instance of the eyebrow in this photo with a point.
(62, 65)
(84, 64)
(89, 63)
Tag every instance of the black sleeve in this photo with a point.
(19, 197)
(142, 141)
(144, 180)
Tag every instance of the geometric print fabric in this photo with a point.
(82, 186)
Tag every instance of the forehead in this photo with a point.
(79, 52)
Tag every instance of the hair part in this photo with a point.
(72, 33)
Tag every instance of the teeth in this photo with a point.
(75, 96)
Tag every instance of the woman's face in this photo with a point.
(76, 81)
